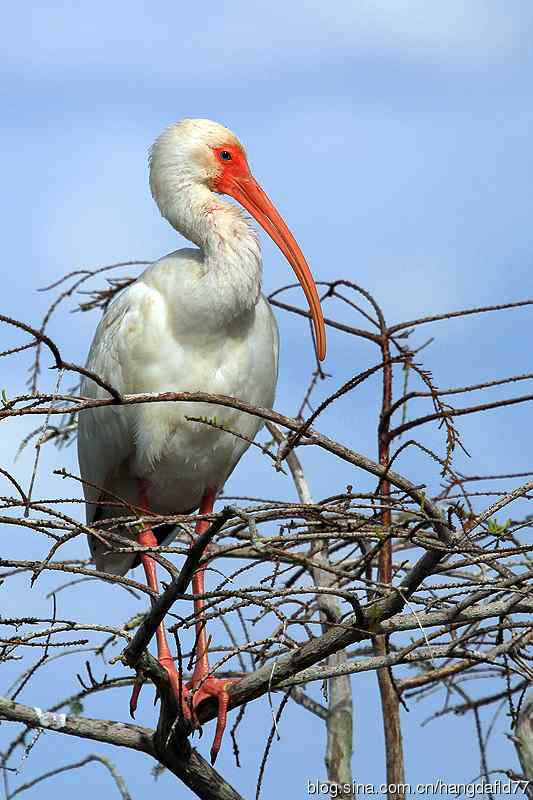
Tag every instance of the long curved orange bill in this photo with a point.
(251, 196)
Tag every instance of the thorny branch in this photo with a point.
(422, 583)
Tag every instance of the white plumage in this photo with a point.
(148, 341)
(194, 321)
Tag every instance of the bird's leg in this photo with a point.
(204, 684)
(146, 538)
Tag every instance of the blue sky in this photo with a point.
(395, 138)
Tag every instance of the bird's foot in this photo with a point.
(217, 688)
(181, 692)
(179, 689)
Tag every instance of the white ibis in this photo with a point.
(193, 321)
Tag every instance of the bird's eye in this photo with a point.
(225, 155)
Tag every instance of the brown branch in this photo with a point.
(340, 326)
(459, 412)
(412, 323)
(390, 701)
(59, 363)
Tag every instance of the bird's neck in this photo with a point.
(229, 244)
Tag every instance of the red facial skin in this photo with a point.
(230, 170)
(235, 179)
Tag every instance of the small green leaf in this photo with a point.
(496, 529)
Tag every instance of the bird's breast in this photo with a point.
(181, 448)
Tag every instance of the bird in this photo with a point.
(194, 320)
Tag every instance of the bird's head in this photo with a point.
(202, 152)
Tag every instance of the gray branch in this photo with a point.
(523, 739)
(306, 655)
(117, 777)
(177, 755)
(339, 721)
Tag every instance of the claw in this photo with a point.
(218, 688)
(137, 686)
(223, 701)
(174, 678)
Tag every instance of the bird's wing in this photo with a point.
(105, 438)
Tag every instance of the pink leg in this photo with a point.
(147, 539)
(208, 685)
